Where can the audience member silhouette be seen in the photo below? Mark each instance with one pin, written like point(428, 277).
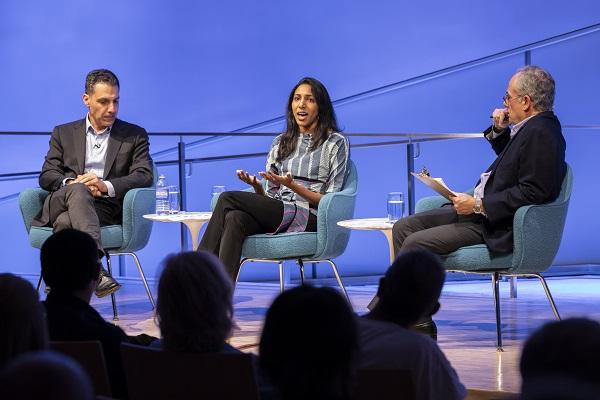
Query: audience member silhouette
point(45, 375)
point(560, 361)
point(309, 345)
point(408, 293)
point(194, 308)
point(23, 327)
point(71, 267)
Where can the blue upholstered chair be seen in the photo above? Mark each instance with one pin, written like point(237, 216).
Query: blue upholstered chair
point(328, 242)
point(117, 240)
point(537, 233)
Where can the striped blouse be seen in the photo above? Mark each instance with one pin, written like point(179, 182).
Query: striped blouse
point(322, 170)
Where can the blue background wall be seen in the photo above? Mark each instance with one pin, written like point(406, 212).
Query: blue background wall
point(222, 66)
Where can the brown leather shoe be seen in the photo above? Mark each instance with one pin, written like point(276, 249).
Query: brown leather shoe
point(106, 284)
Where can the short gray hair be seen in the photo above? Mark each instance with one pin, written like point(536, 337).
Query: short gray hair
point(538, 84)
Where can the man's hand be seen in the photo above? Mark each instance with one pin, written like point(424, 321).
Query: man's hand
point(463, 203)
point(95, 184)
point(284, 180)
point(500, 118)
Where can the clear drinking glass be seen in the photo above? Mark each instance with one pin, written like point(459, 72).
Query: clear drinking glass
point(173, 199)
point(395, 206)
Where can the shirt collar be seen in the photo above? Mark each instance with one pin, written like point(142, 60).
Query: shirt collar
point(517, 127)
point(88, 126)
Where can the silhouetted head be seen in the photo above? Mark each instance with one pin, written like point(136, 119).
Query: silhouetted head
point(45, 375)
point(411, 287)
point(194, 307)
point(22, 322)
point(69, 261)
point(309, 343)
point(566, 350)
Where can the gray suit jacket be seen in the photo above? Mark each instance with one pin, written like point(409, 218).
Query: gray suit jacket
point(128, 163)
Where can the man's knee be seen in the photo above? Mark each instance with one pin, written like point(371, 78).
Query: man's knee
point(78, 191)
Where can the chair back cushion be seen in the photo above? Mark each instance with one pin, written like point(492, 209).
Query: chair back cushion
point(159, 374)
point(538, 231)
point(90, 356)
point(332, 239)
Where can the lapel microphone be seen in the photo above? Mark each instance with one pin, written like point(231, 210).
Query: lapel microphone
point(97, 145)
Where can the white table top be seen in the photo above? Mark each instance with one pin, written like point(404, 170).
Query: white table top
point(181, 216)
point(367, 224)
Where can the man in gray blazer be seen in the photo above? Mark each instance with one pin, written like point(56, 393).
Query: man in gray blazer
point(91, 164)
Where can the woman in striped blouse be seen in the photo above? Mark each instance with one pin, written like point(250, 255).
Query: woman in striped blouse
point(307, 161)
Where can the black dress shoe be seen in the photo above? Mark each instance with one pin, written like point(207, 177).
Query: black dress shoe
point(106, 284)
point(427, 327)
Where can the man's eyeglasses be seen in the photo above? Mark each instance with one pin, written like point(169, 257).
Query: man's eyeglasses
point(507, 97)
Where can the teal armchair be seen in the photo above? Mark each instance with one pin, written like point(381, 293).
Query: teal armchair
point(125, 239)
point(537, 231)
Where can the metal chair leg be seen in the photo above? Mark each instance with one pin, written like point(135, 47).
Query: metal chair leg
point(143, 276)
point(39, 284)
point(548, 295)
point(496, 288)
point(339, 280)
point(301, 265)
point(112, 295)
point(281, 277)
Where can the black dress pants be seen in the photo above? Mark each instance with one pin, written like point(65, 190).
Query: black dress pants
point(441, 231)
point(236, 216)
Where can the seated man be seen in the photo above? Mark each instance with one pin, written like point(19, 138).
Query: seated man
point(529, 169)
point(90, 166)
point(407, 293)
point(70, 265)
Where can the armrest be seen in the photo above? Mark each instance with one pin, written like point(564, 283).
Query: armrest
point(31, 202)
point(136, 229)
point(429, 203)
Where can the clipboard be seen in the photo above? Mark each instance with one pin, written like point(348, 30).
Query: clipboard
point(436, 184)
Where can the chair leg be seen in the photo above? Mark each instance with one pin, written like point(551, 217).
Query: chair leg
point(281, 277)
point(39, 284)
point(143, 276)
point(339, 280)
point(301, 265)
point(237, 276)
point(496, 288)
point(548, 295)
point(112, 295)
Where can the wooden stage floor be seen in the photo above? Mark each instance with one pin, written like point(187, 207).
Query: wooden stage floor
point(466, 321)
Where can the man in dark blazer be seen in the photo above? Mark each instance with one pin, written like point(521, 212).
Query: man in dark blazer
point(70, 264)
point(90, 166)
point(529, 169)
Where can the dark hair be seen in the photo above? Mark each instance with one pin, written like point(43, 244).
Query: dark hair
point(411, 287)
point(69, 261)
point(194, 307)
point(45, 375)
point(567, 349)
point(309, 343)
point(326, 121)
point(21, 317)
point(100, 76)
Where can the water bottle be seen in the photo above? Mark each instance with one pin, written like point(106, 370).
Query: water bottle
point(162, 196)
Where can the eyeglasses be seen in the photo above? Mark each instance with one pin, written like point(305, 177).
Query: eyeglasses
point(507, 97)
